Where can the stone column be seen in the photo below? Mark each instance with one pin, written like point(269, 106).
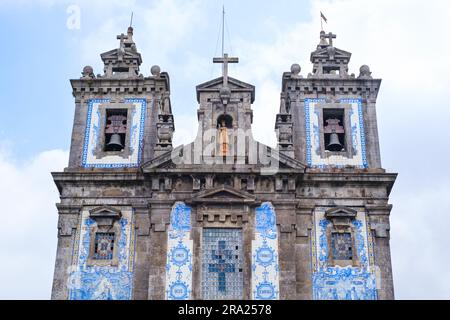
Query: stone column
point(142, 253)
point(286, 250)
point(303, 253)
point(159, 219)
point(379, 224)
point(67, 226)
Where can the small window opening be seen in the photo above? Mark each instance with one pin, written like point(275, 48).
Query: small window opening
point(333, 128)
point(161, 185)
point(115, 130)
point(243, 184)
point(285, 185)
point(331, 70)
point(202, 183)
point(117, 70)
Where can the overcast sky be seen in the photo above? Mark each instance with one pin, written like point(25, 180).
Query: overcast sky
point(403, 41)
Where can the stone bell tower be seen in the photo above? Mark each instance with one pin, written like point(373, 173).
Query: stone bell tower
point(225, 216)
point(122, 119)
point(327, 120)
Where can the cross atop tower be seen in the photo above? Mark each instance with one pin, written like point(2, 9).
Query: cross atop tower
point(225, 60)
point(330, 36)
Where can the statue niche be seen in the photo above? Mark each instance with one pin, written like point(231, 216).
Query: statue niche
point(224, 124)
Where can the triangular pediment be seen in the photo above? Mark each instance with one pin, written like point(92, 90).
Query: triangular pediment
point(105, 212)
point(223, 194)
point(114, 55)
point(233, 84)
point(340, 212)
point(337, 53)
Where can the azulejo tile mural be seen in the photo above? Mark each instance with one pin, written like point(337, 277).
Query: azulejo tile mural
point(94, 123)
point(333, 282)
point(313, 136)
point(265, 268)
point(102, 282)
point(179, 254)
point(222, 264)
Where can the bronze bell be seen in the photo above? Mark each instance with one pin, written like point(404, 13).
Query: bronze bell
point(335, 144)
point(115, 143)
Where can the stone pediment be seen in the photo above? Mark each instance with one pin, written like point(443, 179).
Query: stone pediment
point(340, 212)
point(114, 55)
point(224, 194)
point(233, 84)
point(324, 54)
point(105, 212)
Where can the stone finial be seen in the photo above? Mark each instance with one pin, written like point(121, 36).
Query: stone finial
point(364, 72)
point(155, 70)
point(88, 73)
point(295, 70)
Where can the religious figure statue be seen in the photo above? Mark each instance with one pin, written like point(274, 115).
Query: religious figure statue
point(223, 138)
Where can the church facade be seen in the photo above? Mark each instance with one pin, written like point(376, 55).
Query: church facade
point(224, 217)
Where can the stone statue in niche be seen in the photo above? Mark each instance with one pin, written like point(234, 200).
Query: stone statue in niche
point(223, 138)
point(166, 105)
point(283, 104)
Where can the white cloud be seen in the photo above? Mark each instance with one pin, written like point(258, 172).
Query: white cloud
point(29, 224)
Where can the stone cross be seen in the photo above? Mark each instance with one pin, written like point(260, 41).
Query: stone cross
point(330, 36)
point(122, 39)
point(225, 60)
point(221, 267)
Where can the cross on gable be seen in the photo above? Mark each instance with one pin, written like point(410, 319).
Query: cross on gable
point(225, 60)
point(330, 36)
point(122, 39)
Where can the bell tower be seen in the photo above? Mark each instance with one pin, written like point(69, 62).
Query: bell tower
point(328, 118)
point(122, 117)
point(225, 116)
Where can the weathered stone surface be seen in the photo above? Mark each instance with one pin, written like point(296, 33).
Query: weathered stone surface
point(225, 195)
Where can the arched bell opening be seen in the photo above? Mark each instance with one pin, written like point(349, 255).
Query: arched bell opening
point(225, 119)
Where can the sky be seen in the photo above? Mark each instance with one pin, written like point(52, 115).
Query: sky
point(403, 41)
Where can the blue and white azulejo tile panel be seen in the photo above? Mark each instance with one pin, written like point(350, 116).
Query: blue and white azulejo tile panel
point(135, 135)
point(179, 254)
point(222, 264)
point(313, 136)
point(332, 282)
point(94, 282)
point(265, 268)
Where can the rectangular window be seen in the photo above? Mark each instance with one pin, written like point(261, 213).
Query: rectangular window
point(104, 246)
point(115, 129)
point(341, 246)
point(222, 264)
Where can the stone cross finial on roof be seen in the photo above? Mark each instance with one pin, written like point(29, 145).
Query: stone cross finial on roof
point(330, 36)
point(225, 60)
point(122, 39)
